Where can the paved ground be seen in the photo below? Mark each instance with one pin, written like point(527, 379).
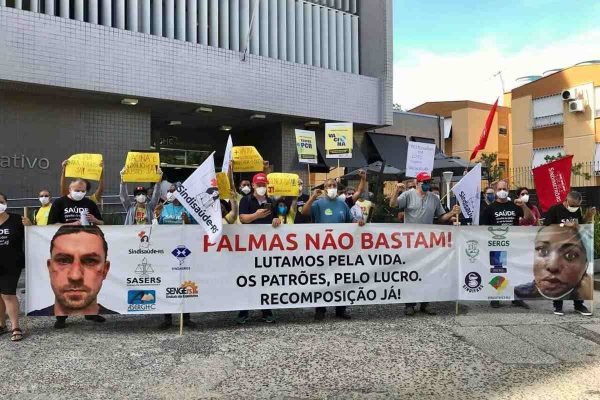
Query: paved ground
point(481, 354)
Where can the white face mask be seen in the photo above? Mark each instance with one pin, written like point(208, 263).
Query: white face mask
point(261, 190)
point(573, 209)
point(170, 197)
point(140, 198)
point(3, 208)
point(502, 194)
point(246, 189)
point(77, 196)
point(44, 200)
point(332, 193)
point(525, 198)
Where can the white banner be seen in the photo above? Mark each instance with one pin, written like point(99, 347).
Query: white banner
point(199, 194)
point(174, 268)
point(419, 158)
point(468, 194)
point(228, 155)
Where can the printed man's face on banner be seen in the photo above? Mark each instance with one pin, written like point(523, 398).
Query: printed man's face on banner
point(560, 260)
point(77, 269)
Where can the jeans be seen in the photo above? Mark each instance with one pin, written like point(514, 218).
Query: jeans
point(559, 303)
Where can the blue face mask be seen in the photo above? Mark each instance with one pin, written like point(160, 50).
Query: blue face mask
point(282, 210)
point(426, 187)
point(491, 197)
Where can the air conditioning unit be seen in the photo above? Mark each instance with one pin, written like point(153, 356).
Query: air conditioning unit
point(569, 94)
point(576, 106)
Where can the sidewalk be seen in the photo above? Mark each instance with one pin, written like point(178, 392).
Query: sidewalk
point(483, 353)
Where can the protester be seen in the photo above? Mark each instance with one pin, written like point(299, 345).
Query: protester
point(75, 209)
point(96, 197)
point(141, 211)
point(300, 202)
point(349, 195)
point(330, 210)
point(366, 206)
point(41, 215)
point(523, 195)
point(285, 209)
point(569, 213)
point(229, 209)
point(489, 197)
point(12, 262)
point(503, 212)
point(257, 208)
point(420, 206)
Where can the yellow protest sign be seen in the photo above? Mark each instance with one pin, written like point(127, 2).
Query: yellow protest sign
point(339, 140)
point(306, 145)
point(86, 166)
point(247, 159)
point(141, 167)
point(283, 184)
point(224, 186)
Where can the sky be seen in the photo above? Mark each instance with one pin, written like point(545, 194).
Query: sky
point(451, 49)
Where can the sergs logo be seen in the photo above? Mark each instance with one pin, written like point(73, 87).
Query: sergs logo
point(141, 300)
point(186, 290)
point(499, 283)
point(144, 246)
point(472, 250)
point(181, 253)
point(144, 271)
point(473, 282)
point(498, 262)
point(499, 235)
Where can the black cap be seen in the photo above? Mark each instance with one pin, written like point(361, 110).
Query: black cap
point(140, 189)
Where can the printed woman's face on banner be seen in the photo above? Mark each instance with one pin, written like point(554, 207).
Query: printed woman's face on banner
point(560, 260)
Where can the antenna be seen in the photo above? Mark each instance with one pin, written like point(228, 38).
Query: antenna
point(499, 73)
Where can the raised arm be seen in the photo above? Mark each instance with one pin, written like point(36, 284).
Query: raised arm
point(307, 209)
point(362, 185)
point(400, 187)
point(100, 191)
point(64, 188)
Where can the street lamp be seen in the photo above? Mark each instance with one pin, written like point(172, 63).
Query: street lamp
point(448, 178)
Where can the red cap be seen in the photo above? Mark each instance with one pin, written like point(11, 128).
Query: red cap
point(259, 179)
point(423, 176)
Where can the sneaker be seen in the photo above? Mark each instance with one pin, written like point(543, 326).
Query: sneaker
point(582, 309)
point(520, 303)
point(319, 316)
point(343, 316)
point(559, 312)
point(60, 324)
point(269, 319)
point(410, 311)
point(241, 320)
point(427, 310)
point(189, 324)
point(495, 304)
point(165, 325)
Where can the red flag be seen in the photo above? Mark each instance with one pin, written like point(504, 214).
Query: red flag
point(553, 182)
point(486, 131)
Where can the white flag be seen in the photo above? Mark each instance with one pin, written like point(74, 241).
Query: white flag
point(468, 194)
point(199, 195)
point(227, 157)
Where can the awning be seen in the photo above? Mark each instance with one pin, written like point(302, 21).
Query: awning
point(358, 159)
point(539, 155)
point(389, 148)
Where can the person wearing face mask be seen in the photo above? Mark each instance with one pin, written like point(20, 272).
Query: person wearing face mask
point(139, 212)
point(349, 195)
point(41, 215)
point(12, 262)
point(75, 209)
point(329, 210)
point(286, 208)
point(420, 206)
point(503, 212)
point(366, 207)
point(523, 195)
point(96, 197)
point(568, 213)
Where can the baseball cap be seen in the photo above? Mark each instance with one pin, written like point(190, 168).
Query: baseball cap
point(260, 178)
point(140, 189)
point(423, 176)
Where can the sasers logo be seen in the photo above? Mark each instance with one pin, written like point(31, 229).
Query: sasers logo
point(145, 275)
point(186, 290)
point(472, 250)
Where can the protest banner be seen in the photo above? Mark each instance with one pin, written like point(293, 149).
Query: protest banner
point(175, 268)
point(247, 159)
point(306, 144)
point(339, 140)
point(199, 194)
point(141, 167)
point(86, 166)
point(283, 185)
point(223, 185)
point(468, 194)
point(419, 158)
point(553, 182)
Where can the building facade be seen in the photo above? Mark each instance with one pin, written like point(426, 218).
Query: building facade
point(110, 76)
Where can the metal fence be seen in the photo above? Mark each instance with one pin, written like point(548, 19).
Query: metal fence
point(583, 175)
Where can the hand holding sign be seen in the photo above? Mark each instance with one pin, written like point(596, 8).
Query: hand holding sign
point(283, 185)
point(86, 166)
point(142, 167)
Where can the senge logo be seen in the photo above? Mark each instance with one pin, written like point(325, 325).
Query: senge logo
point(186, 290)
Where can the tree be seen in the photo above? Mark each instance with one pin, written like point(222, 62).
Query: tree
point(490, 161)
point(576, 169)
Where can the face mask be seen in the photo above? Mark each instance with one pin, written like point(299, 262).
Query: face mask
point(170, 197)
point(573, 209)
point(426, 187)
point(140, 198)
point(3, 208)
point(77, 196)
point(282, 210)
point(491, 197)
point(332, 193)
point(44, 200)
point(525, 198)
point(502, 194)
point(245, 189)
point(261, 191)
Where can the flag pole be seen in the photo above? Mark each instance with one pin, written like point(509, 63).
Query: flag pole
point(181, 324)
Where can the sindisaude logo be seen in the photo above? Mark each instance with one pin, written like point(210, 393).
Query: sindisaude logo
point(499, 283)
point(186, 290)
point(144, 246)
point(473, 282)
point(499, 236)
point(328, 211)
point(498, 262)
point(141, 300)
point(145, 275)
point(472, 250)
point(181, 253)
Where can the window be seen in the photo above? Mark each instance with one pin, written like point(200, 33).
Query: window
point(447, 128)
point(539, 155)
point(547, 111)
point(502, 166)
point(502, 130)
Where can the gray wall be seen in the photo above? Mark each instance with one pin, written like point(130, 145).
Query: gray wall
point(415, 125)
point(52, 127)
point(42, 49)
